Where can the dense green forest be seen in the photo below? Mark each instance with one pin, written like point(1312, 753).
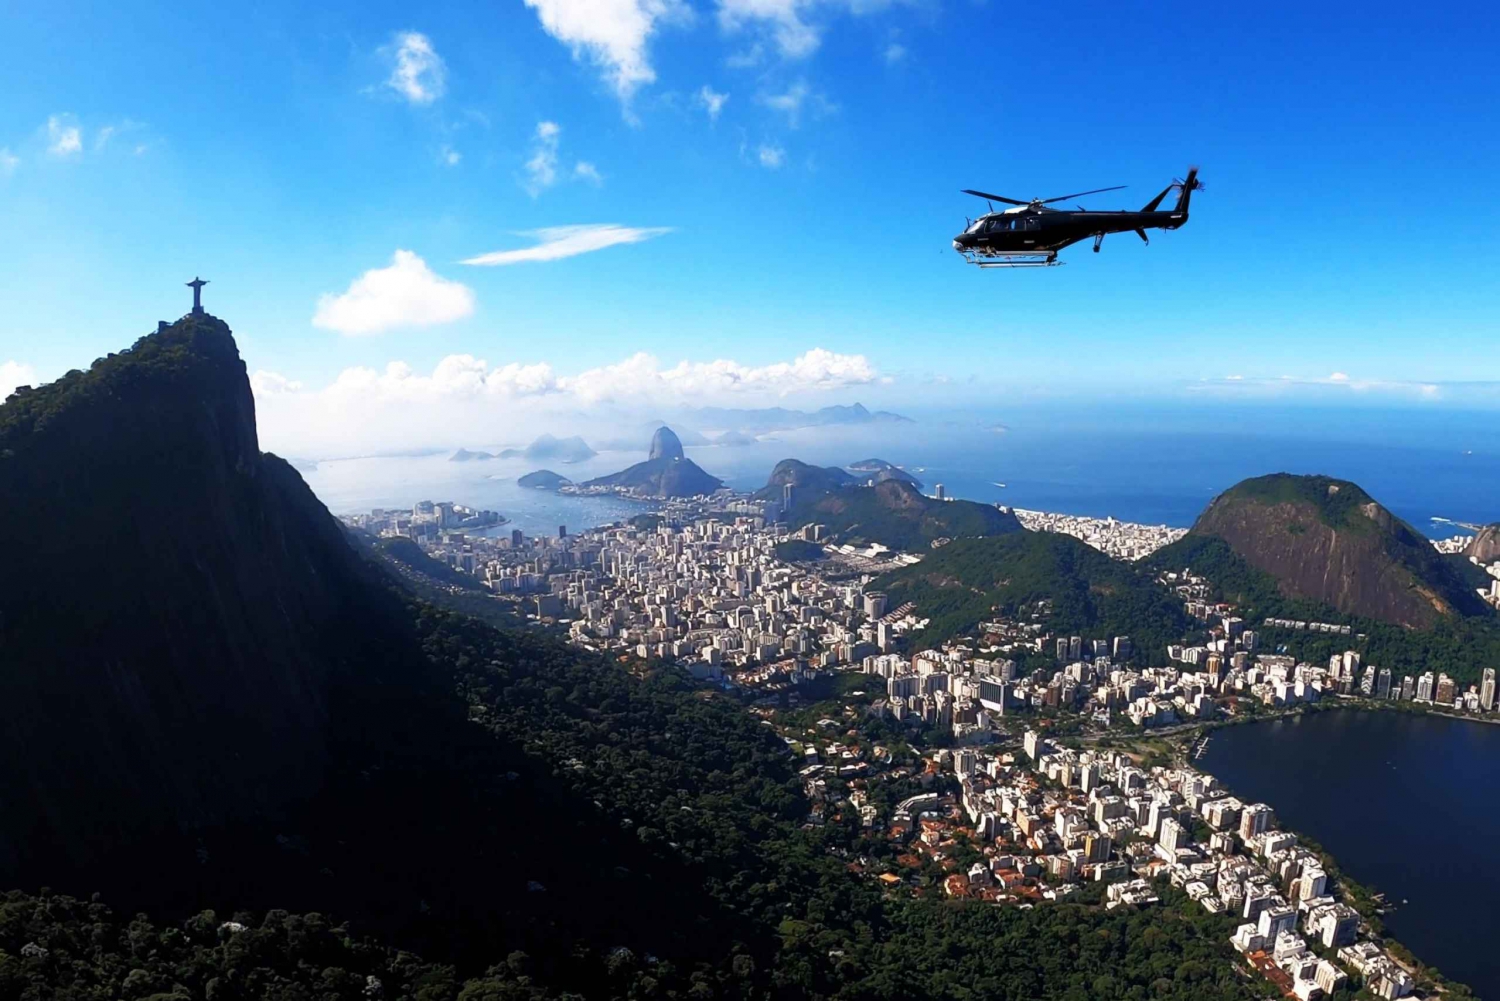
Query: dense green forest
point(1460, 646)
point(895, 514)
point(1091, 595)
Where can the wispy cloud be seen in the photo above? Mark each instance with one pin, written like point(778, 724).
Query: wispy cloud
point(1333, 383)
point(449, 157)
point(894, 53)
point(557, 242)
point(8, 162)
point(796, 100)
point(792, 34)
point(770, 157)
point(407, 293)
point(612, 34)
point(64, 137)
point(13, 374)
point(585, 171)
point(541, 169)
point(711, 101)
point(418, 73)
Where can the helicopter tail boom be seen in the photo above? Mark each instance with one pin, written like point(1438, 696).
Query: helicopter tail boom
point(1186, 188)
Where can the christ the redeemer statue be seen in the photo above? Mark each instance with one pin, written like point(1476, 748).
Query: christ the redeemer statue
point(197, 286)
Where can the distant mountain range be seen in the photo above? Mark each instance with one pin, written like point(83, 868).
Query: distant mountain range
point(781, 419)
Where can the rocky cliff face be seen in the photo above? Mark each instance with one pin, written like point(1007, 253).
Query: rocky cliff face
point(666, 445)
point(179, 616)
point(1486, 545)
point(1329, 541)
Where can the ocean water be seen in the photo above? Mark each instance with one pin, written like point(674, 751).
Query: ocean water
point(1135, 465)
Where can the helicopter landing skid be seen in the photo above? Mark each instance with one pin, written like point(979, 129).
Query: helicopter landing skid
point(1043, 260)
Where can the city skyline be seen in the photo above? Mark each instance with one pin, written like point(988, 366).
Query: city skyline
point(671, 203)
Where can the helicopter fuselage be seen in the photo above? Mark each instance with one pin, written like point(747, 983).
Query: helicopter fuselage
point(1046, 231)
point(1030, 234)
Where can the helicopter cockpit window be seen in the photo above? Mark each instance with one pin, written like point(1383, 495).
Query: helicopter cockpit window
point(977, 225)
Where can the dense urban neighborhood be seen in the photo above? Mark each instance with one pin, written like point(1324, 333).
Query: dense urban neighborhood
point(1014, 765)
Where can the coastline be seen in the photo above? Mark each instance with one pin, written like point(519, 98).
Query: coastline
point(1369, 900)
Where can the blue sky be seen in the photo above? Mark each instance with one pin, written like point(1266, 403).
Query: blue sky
point(784, 176)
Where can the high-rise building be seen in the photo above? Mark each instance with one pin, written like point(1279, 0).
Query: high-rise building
point(562, 531)
point(517, 540)
point(1254, 819)
point(1173, 835)
point(1383, 684)
point(941, 493)
point(1408, 688)
point(1487, 690)
point(1424, 686)
point(1443, 694)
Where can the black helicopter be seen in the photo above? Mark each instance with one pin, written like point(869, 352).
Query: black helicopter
point(1030, 234)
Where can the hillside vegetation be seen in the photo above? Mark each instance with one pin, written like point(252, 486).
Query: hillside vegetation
point(1326, 540)
point(896, 514)
point(1091, 595)
point(1460, 646)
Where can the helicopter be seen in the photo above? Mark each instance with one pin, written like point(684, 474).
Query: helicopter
point(1030, 234)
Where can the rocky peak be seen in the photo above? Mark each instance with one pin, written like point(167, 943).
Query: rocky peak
point(665, 444)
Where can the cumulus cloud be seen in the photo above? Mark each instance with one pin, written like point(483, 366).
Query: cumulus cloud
point(398, 406)
point(64, 137)
point(418, 73)
point(13, 374)
point(612, 34)
point(711, 101)
point(771, 157)
point(557, 242)
point(405, 294)
point(642, 376)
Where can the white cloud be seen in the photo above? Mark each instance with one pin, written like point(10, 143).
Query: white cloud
point(13, 374)
point(796, 99)
point(102, 137)
point(894, 53)
point(8, 162)
point(405, 294)
point(612, 33)
point(711, 101)
point(1334, 382)
point(419, 73)
point(585, 171)
point(449, 157)
point(793, 36)
point(558, 242)
point(64, 137)
point(791, 24)
point(263, 383)
point(642, 377)
point(367, 408)
point(771, 157)
point(541, 169)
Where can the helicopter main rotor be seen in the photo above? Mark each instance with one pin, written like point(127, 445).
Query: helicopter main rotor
point(1037, 203)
